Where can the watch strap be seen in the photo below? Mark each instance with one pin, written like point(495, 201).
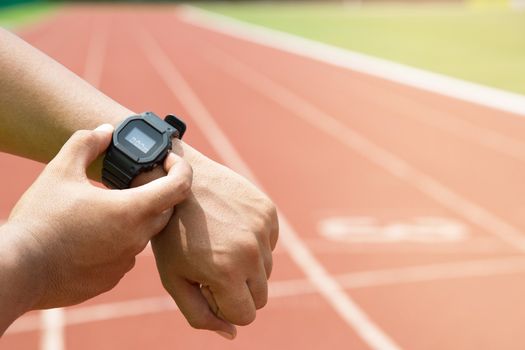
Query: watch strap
point(118, 169)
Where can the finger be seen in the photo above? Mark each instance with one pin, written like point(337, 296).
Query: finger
point(157, 223)
point(274, 233)
point(167, 191)
point(235, 303)
point(83, 147)
point(194, 306)
point(206, 292)
point(258, 287)
point(265, 251)
point(267, 262)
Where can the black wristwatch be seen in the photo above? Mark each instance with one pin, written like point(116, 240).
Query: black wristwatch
point(140, 143)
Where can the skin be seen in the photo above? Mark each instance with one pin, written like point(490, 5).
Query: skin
point(67, 241)
point(215, 255)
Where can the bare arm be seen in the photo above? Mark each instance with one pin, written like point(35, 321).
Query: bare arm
point(230, 226)
point(42, 103)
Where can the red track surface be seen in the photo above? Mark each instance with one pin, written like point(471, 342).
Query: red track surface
point(312, 176)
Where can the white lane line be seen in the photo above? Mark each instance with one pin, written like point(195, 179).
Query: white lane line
point(384, 69)
point(325, 284)
point(444, 121)
point(386, 160)
point(121, 309)
point(407, 275)
point(293, 288)
point(462, 129)
point(53, 329)
point(53, 335)
point(96, 52)
point(346, 59)
point(479, 245)
point(433, 272)
point(100, 312)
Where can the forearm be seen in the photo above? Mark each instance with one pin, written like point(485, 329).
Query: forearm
point(19, 284)
point(42, 104)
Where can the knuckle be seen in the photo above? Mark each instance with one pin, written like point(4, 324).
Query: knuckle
point(267, 215)
point(184, 181)
point(225, 274)
point(270, 212)
point(252, 251)
point(135, 245)
point(84, 137)
point(261, 302)
point(185, 186)
point(245, 318)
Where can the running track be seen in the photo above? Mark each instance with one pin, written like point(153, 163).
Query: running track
point(324, 142)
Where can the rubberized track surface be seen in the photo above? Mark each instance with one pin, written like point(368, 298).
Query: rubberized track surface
point(325, 143)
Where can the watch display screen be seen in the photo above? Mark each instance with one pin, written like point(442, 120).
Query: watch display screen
point(140, 140)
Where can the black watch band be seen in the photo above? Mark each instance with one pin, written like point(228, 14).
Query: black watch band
point(119, 169)
point(118, 176)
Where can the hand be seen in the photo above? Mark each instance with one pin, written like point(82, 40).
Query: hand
point(214, 257)
point(81, 239)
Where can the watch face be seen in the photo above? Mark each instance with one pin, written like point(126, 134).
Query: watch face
point(140, 139)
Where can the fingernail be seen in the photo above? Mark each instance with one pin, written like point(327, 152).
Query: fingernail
point(105, 127)
point(225, 335)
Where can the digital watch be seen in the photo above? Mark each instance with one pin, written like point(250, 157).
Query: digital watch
point(139, 143)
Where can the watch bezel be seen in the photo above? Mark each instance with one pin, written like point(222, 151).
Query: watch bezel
point(146, 159)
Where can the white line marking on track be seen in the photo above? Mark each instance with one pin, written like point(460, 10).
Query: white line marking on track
point(386, 160)
point(460, 128)
point(369, 229)
point(120, 309)
point(406, 275)
point(52, 337)
point(433, 272)
point(482, 95)
point(325, 284)
point(53, 320)
point(291, 288)
point(488, 245)
point(396, 72)
point(100, 312)
point(96, 52)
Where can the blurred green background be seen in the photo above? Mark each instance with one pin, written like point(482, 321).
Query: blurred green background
point(477, 40)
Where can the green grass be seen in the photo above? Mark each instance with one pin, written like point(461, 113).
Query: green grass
point(17, 16)
point(480, 44)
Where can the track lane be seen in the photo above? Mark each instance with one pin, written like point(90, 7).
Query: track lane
point(387, 304)
point(352, 97)
point(207, 77)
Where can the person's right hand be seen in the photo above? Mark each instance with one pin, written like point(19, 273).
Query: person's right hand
point(79, 240)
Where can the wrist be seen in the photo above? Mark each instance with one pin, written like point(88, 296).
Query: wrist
point(179, 147)
point(20, 275)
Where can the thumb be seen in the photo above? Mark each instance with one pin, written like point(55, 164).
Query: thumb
point(167, 191)
point(84, 146)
